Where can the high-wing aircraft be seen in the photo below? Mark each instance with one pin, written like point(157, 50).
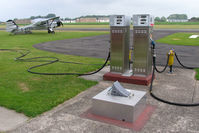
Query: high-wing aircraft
point(38, 24)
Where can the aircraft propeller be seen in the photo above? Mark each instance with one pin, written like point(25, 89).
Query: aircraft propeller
point(59, 23)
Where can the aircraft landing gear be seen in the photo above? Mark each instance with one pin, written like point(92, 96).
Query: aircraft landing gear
point(51, 31)
point(28, 32)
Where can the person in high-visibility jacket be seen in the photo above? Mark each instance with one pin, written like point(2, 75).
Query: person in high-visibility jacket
point(171, 59)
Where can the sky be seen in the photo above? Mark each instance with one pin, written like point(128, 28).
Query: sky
point(10, 9)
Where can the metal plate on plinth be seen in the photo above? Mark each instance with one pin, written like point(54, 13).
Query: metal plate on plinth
point(119, 108)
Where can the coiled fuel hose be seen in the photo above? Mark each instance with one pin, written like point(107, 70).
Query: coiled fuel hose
point(153, 75)
point(50, 60)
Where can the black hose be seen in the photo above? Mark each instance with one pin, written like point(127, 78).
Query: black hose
point(162, 100)
point(79, 74)
point(48, 62)
point(182, 64)
point(153, 49)
point(165, 67)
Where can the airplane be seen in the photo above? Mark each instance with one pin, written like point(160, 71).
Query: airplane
point(38, 24)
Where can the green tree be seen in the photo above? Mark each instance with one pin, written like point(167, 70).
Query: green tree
point(50, 15)
point(163, 19)
point(177, 16)
point(194, 19)
point(157, 19)
point(32, 17)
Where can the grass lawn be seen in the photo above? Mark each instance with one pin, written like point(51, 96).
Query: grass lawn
point(2, 26)
point(181, 39)
point(176, 23)
point(176, 26)
point(34, 94)
point(85, 26)
point(155, 27)
point(197, 74)
point(87, 23)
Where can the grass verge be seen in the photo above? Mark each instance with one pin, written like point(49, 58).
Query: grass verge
point(197, 74)
point(176, 27)
point(181, 39)
point(88, 23)
point(34, 94)
point(155, 27)
point(176, 23)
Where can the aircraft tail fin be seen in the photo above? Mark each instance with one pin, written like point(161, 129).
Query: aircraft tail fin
point(11, 26)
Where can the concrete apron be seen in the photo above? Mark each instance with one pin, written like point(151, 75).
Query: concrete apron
point(178, 87)
point(10, 119)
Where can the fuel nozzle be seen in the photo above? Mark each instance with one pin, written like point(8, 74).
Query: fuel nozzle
point(152, 46)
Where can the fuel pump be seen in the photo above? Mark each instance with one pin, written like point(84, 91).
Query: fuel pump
point(119, 36)
point(142, 57)
point(120, 69)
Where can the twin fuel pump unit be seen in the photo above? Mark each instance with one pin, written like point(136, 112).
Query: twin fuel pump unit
point(136, 62)
point(131, 63)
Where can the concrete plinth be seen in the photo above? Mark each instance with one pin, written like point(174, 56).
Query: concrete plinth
point(140, 80)
point(120, 108)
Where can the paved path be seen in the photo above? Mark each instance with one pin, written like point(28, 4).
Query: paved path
point(10, 119)
point(98, 47)
point(179, 87)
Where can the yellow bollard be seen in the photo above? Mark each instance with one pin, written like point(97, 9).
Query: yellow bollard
point(171, 59)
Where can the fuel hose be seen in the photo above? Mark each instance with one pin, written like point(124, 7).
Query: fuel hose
point(50, 60)
point(186, 67)
point(163, 100)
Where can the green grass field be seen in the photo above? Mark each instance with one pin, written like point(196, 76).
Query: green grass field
point(156, 23)
point(176, 27)
point(197, 74)
point(34, 94)
point(181, 39)
point(85, 26)
point(2, 26)
point(176, 23)
point(88, 23)
point(155, 27)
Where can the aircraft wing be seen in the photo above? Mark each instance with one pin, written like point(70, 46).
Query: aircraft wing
point(45, 21)
point(53, 18)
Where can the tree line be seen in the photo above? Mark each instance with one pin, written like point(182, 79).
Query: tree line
point(50, 15)
point(176, 17)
